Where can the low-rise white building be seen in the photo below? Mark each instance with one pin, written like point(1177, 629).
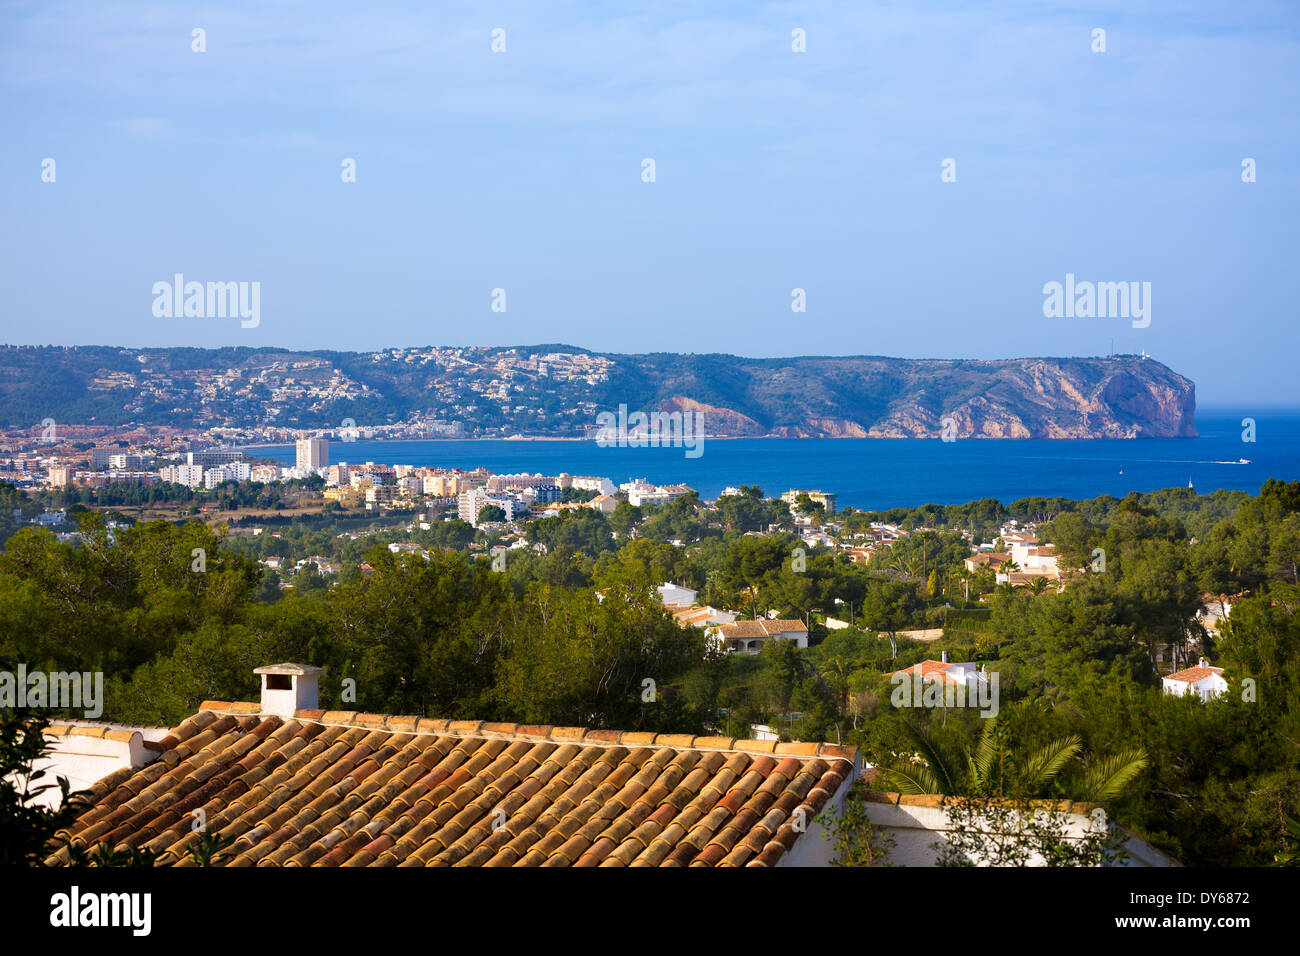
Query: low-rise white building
point(1202, 680)
point(676, 594)
point(916, 827)
point(1031, 559)
point(748, 637)
point(964, 674)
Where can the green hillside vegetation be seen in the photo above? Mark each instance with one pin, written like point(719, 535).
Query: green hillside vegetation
point(446, 636)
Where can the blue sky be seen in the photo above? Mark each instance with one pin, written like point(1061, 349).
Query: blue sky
point(774, 170)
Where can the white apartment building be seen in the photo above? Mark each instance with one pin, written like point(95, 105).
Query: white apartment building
point(313, 453)
point(236, 471)
point(126, 462)
point(213, 456)
point(470, 503)
point(381, 494)
point(641, 492)
point(520, 481)
point(189, 475)
point(586, 483)
point(443, 485)
point(824, 498)
point(371, 473)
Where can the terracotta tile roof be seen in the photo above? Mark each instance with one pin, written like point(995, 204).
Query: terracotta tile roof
point(762, 628)
point(1191, 675)
point(687, 615)
point(988, 557)
point(338, 788)
point(930, 669)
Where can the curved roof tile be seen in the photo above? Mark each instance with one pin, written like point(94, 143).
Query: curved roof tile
point(339, 788)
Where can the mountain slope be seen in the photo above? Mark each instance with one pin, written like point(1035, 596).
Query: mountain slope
point(558, 390)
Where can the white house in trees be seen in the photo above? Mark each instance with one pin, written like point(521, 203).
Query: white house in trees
point(675, 594)
point(1202, 680)
point(748, 637)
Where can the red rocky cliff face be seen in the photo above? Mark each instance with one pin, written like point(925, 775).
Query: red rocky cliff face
point(1121, 397)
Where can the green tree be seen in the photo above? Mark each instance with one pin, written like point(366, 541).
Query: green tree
point(26, 825)
point(888, 608)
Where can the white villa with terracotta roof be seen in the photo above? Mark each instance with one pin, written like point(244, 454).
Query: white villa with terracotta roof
point(749, 637)
point(962, 675)
point(993, 559)
point(1202, 680)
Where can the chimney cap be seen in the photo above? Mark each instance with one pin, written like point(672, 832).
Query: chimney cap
point(295, 670)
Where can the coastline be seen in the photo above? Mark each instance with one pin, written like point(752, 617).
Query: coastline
point(721, 438)
point(883, 473)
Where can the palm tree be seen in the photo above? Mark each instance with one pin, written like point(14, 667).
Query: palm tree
point(965, 577)
point(836, 673)
point(1037, 586)
point(991, 768)
point(907, 566)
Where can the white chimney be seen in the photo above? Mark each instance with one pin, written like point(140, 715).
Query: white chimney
point(288, 687)
point(943, 657)
point(1202, 663)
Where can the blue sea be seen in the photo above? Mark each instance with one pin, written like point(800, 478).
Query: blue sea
point(887, 473)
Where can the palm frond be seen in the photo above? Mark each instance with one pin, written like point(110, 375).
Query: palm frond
point(985, 758)
point(913, 779)
point(941, 769)
point(1109, 775)
point(1046, 762)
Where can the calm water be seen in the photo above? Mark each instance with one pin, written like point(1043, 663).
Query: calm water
point(884, 473)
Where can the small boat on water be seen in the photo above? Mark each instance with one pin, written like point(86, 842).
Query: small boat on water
point(1243, 461)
